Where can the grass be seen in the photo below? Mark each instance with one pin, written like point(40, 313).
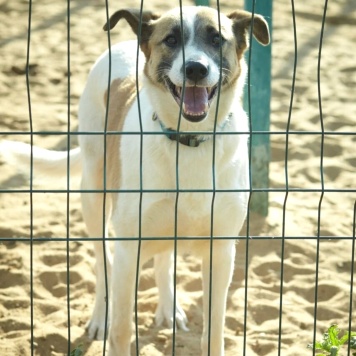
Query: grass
point(78, 351)
point(332, 344)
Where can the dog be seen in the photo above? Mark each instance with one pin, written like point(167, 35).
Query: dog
point(179, 178)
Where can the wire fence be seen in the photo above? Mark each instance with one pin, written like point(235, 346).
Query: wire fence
point(294, 272)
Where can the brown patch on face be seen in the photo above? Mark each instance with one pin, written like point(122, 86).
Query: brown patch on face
point(122, 96)
point(146, 49)
point(158, 54)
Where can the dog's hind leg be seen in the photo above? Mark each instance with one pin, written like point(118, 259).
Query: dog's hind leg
point(97, 224)
point(164, 281)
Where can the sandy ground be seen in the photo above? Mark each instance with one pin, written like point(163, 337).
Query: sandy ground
point(265, 258)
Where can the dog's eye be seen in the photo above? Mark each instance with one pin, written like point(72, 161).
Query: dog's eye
point(217, 40)
point(171, 41)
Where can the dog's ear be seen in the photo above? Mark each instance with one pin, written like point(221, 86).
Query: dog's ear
point(242, 21)
point(133, 17)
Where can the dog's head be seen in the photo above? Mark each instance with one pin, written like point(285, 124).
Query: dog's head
point(185, 58)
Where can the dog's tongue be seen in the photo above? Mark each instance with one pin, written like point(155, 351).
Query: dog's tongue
point(195, 100)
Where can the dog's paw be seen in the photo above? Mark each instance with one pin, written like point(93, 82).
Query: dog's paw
point(164, 314)
point(96, 328)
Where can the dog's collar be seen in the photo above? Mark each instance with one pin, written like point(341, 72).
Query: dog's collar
point(189, 140)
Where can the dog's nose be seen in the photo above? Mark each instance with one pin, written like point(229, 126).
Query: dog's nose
point(195, 70)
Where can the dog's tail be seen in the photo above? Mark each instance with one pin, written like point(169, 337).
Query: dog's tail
point(45, 163)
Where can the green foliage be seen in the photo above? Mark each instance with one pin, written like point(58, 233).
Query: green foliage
point(78, 351)
point(332, 343)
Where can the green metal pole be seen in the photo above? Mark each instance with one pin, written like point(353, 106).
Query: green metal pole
point(260, 97)
point(202, 2)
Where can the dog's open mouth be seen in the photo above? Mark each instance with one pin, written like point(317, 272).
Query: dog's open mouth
point(196, 100)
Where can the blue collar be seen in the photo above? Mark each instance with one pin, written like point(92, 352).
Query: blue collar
point(190, 140)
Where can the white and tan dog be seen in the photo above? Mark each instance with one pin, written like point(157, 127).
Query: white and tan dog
point(174, 178)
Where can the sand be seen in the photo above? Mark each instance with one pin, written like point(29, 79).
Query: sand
point(298, 254)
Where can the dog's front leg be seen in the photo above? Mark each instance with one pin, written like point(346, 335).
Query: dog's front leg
point(123, 290)
point(164, 281)
point(222, 269)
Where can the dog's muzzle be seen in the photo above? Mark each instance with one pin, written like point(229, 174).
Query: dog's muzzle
point(197, 98)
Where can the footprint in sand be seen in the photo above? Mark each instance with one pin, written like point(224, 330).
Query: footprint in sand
point(55, 281)
point(56, 258)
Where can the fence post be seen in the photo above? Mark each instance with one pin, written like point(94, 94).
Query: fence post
point(260, 96)
point(202, 2)
point(260, 92)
